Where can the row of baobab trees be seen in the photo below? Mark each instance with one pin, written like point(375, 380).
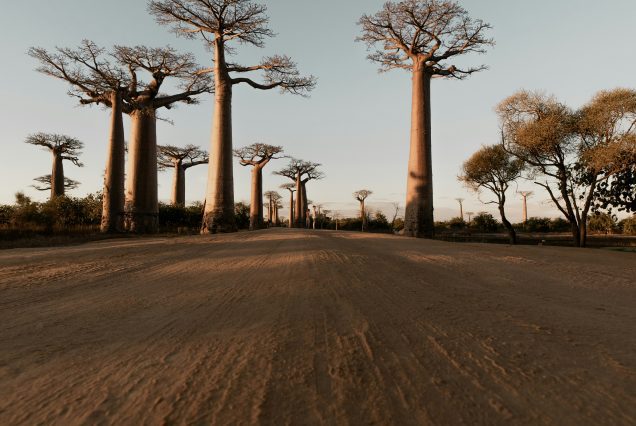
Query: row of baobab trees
point(180, 159)
point(419, 36)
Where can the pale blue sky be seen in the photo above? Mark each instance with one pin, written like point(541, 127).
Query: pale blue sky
point(356, 122)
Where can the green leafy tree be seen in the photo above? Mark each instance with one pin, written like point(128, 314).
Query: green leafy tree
point(494, 169)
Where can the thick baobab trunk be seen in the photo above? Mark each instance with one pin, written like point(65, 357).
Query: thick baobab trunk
point(178, 184)
point(219, 209)
point(299, 214)
point(291, 209)
point(114, 175)
point(306, 217)
point(269, 212)
point(57, 176)
point(363, 216)
point(256, 206)
point(418, 221)
point(275, 208)
point(142, 207)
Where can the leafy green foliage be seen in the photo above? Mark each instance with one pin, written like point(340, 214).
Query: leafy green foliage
point(485, 222)
point(242, 215)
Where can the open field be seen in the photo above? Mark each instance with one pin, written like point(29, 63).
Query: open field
point(300, 327)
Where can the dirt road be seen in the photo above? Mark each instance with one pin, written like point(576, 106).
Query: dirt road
point(295, 327)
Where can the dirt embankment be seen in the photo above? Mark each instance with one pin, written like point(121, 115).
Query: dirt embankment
point(299, 327)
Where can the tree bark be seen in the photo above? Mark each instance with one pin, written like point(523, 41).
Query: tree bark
point(142, 206)
point(219, 209)
point(57, 176)
point(306, 217)
point(291, 209)
point(299, 214)
point(178, 185)
point(418, 220)
point(363, 216)
point(256, 206)
point(512, 235)
point(114, 175)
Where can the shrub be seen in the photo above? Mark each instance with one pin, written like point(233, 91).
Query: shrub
point(379, 223)
point(602, 222)
point(485, 222)
point(398, 225)
point(456, 223)
point(560, 225)
point(628, 225)
point(242, 215)
point(538, 224)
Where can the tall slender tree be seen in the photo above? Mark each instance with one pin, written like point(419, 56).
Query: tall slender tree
point(142, 206)
point(494, 169)
point(220, 23)
point(62, 148)
point(257, 156)
point(180, 159)
point(291, 187)
point(96, 79)
point(361, 196)
point(421, 36)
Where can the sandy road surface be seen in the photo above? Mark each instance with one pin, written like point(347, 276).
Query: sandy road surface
point(294, 327)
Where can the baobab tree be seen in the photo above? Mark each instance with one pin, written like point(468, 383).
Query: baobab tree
point(361, 196)
point(470, 216)
point(301, 172)
point(142, 206)
point(273, 203)
point(257, 156)
point(461, 207)
point(525, 195)
point(291, 187)
point(180, 159)
point(277, 205)
point(220, 23)
point(62, 148)
point(421, 36)
point(493, 168)
point(311, 173)
point(94, 79)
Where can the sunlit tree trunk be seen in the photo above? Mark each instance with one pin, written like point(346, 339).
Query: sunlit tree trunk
point(178, 185)
point(256, 206)
point(114, 176)
point(219, 209)
point(57, 175)
point(363, 216)
point(305, 216)
point(291, 209)
point(142, 207)
point(418, 220)
point(299, 216)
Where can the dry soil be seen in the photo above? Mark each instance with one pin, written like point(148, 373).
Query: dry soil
point(297, 327)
